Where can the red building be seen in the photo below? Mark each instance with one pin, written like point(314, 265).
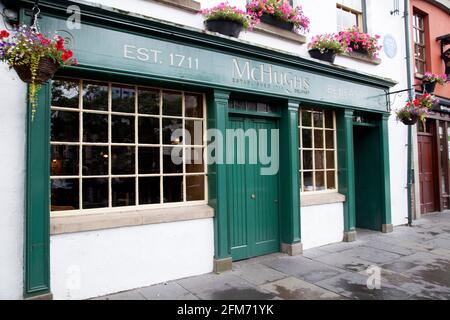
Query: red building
point(430, 28)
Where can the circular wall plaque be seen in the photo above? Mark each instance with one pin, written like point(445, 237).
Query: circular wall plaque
point(390, 46)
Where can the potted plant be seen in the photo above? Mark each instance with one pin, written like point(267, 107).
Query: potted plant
point(416, 109)
point(357, 41)
point(430, 80)
point(34, 57)
point(326, 47)
point(279, 13)
point(226, 19)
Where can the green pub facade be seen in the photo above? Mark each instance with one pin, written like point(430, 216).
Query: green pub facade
point(99, 146)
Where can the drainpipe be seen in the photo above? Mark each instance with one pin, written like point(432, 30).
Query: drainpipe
point(410, 96)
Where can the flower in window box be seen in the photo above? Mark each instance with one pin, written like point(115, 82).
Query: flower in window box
point(280, 14)
point(34, 57)
point(357, 41)
point(326, 47)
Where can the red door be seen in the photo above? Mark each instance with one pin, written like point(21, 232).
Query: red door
point(426, 173)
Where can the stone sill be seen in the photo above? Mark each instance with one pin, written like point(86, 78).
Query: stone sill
point(361, 57)
point(279, 33)
point(90, 222)
point(189, 5)
point(321, 199)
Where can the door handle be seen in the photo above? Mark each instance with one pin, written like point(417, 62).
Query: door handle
point(253, 196)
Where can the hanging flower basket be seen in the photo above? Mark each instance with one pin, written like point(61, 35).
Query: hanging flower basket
point(428, 86)
point(416, 109)
point(411, 120)
point(34, 57)
point(430, 80)
point(44, 72)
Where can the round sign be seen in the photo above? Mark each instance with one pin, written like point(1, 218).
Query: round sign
point(390, 46)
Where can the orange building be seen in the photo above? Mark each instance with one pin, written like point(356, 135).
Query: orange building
point(430, 28)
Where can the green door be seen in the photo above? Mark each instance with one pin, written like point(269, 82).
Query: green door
point(252, 197)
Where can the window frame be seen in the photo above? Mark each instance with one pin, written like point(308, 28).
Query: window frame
point(136, 175)
point(313, 148)
point(420, 31)
point(359, 17)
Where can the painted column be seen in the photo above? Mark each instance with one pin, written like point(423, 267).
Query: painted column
point(290, 181)
point(386, 226)
point(37, 220)
point(217, 181)
point(346, 171)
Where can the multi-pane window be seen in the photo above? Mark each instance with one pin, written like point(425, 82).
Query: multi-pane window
point(419, 43)
point(318, 165)
point(349, 14)
point(115, 145)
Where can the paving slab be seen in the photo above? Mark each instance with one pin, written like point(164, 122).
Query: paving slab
point(406, 263)
point(345, 261)
point(296, 289)
point(257, 273)
point(125, 295)
point(372, 254)
point(166, 291)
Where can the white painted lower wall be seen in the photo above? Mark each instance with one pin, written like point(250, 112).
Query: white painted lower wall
point(322, 224)
point(95, 263)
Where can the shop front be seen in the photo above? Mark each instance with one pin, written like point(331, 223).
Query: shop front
point(108, 198)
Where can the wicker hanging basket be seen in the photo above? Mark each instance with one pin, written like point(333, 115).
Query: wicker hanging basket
point(45, 71)
point(411, 120)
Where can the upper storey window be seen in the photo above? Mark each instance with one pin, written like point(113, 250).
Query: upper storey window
point(349, 14)
point(420, 62)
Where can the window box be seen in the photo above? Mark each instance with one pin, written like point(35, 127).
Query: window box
point(270, 19)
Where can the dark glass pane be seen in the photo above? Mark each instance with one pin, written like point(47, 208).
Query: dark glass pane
point(318, 139)
point(65, 194)
point(172, 105)
point(331, 180)
point(65, 94)
point(123, 192)
point(123, 160)
point(329, 122)
point(123, 99)
point(308, 181)
point(307, 138)
point(149, 190)
point(95, 193)
point(320, 180)
point(318, 119)
point(307, 160)
point(194, 132)
point(122, 129)
point(172, 160)
point(319, 159)
point(329, 137)
point(172, 189)
point(195, 188)
point(169, 127)
point(65, 126)
point(95, 96)
point(148, 101)
point(330, 160)
point(193, 105)
point(148, 130)
point(251, 106)
point(95, 127)
point(262, 107)
point(306, 118)
point(194, 160)
point(64, 160)
point(95, 161)
point(148, 160)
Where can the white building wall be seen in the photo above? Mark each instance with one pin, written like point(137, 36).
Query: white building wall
point(12, 177)
point(95, 263)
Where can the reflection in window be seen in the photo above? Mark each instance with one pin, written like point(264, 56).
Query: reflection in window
point(349, 14)
point(116, 147)
point(317, 150)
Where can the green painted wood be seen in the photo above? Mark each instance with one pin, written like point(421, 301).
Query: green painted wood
point(127, 52)
point(254, 225)
point(346, 171)
point(368, 178)
point(289, 174)
point(217, 112)
point(386, 177)
point(37, 219)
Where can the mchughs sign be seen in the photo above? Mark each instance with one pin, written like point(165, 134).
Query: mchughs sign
point(157, 59)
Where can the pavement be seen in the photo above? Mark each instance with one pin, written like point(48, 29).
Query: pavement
point(410, 263)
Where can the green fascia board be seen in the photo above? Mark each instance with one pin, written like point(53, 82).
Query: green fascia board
point(124, 20)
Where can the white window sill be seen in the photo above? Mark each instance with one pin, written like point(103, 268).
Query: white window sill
point(280, 33)
point(308, 200)
point(189, 5)
point(361, 57)
point(90, 222)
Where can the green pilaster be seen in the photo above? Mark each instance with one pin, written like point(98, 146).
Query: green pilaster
point(37, 220)
point(290, 181)
point(217, 119)
point(346, 170)
point(386, 182)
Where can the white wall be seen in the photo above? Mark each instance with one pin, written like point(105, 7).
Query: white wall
point(12, 177)
point(321, 225)
point(90, 264)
